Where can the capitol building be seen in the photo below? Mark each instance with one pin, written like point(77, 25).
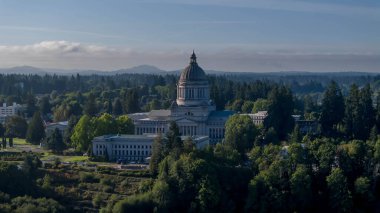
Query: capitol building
point(193, 111)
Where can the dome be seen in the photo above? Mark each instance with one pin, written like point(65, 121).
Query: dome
point(193, 72)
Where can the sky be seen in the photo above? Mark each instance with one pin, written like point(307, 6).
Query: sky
point(227, 35)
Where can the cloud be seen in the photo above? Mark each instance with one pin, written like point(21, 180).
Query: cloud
point(53, 48)
point(52, 30)
point(74, 55)
point(288, 5)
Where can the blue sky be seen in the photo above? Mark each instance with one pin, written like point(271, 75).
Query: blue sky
point(239, 35)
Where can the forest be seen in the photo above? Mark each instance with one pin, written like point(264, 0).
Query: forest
point(267, 168)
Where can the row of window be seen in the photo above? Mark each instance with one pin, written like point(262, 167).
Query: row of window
point(142, 130)
point(131, 146)
point(131, 152)
point(216, 133)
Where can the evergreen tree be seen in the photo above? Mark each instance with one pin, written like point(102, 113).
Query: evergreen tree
point(55, 141)
point(374, 134)
point(117, 107)
point(10, 141)
point(132, 102)
point(157, 154)
point(69, 130)
point(36, 129)
point(377, 112)
point(296, 136)
point(280, 111)
point(91, 106)
point(44, 105)
point(359, 114)
point(332, 109)
point(30, 105)
point(174, 144)
point(109, 107)
point(2, 130)
point(16, 126)
point(367, 113)
point(4, 143)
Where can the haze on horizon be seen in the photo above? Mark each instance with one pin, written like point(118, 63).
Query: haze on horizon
point(241, 35)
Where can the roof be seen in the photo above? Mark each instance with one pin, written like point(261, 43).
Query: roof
point(145, 137)
point(61, 123)
point(159, 113)
point(224, 113)
point(193, 72)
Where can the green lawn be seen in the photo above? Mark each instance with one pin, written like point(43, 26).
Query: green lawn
point(73, 158)
point(19, 141)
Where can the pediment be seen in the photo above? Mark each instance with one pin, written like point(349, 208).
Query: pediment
point(184, 121)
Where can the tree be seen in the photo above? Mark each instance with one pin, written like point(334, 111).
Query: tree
point(125, 125)
point(363, 195)
point(188, 145)
point(69, 130)
point(300, 186)
point(30, 105)
point(280, 111)
point(339, 195)
point(16, 126)
point(104, 125)
point(2, 130)
point(260, 105)
point(62, 112)
point(247, 106)
point(332, 109)
point(174, 144)
point(36, 129)
point(359, 115)
point(109, 106)
point(132, 101)
point(82, 134)
point(296, 136)
point(4, 143)
point(44, 105)
point(240, 133)
point(157, 154)
point(55, 141)
point(367, 113)
point(117, 107)
point(91, 107)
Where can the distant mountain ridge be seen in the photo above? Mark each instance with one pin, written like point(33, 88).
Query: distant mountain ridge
point(149, 69)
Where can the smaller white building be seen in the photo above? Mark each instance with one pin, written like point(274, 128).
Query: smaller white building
point(258, 118)
point(132, 147)
point(7, 111)
point(61, 126)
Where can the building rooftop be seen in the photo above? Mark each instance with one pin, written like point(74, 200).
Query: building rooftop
point(224, 113)
point(144, 136)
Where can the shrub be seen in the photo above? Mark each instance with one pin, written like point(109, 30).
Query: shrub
point(107, 189)
point(4, 198)
point(97, 200)
point(86, 177)
point(107, 182)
